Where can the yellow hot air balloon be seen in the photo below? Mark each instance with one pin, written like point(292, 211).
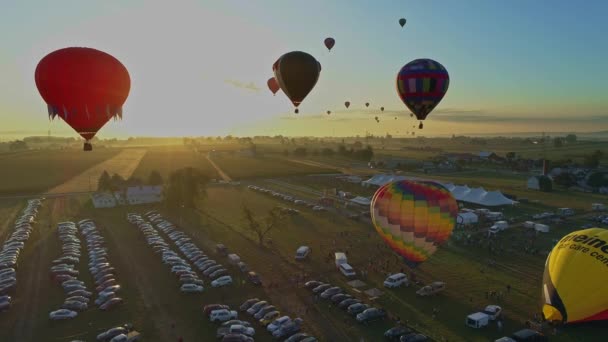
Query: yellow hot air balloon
point(575, 278)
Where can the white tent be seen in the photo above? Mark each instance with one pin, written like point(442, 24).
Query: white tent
point(361, 200)
point(460, 192)
point(467, 217)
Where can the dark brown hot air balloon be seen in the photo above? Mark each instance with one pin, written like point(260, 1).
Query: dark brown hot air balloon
point(297, 73)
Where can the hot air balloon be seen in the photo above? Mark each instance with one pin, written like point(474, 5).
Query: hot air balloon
point(382, 109)
point(414, 217)
point(273, 85)
point(575, 277)
point(421, 84)
point(329, 43)
point(328, 112)
point(297, 73)
point(84, 87)
point(395, 118)
point(366, 104)
point(402, 22)
point(347, 104)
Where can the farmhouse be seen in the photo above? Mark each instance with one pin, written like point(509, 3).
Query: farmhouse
point(103, 200)
point(131, 195)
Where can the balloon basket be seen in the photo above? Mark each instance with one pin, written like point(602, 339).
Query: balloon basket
point(87, 147)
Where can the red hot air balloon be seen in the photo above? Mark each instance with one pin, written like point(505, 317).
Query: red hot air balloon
point(329, 43)
point(297, 73)
point(84, 87)
point(273, 85)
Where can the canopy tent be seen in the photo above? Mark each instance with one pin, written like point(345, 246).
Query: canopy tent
point(461, 193)
point(466, 217)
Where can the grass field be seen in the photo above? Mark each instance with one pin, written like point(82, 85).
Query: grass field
point(37, 171)
point(166, 159)
point(239, 167)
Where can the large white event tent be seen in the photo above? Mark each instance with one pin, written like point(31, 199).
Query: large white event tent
point(460, 192)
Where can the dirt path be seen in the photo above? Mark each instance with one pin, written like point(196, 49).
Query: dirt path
point(124, 164)
point(222, 174)
point(33, 275)
point(145, 285)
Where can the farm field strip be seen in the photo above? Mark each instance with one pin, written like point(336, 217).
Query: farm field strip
point(123, 164)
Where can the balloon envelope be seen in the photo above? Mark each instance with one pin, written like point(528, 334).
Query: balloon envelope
point(273, 85)
point(414, 217)
point(83, 86)
point(421, 84)
point(402, 22)
point(297, 73)
point(347, 104)
point(575, 278)
point(366, 104)
point(329, 43)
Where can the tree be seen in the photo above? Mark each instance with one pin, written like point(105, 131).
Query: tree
point(261, 227)
point(545, 184)
point(327, 152)
point(315, 152)
point(185, 187)
point(358, 144)
point(565, 179)
point(117, 182)
point(285, 153)
point(300, 152)
point(598, 179)
point(558, 142)
point(155, 178)
point(18, 145)
point(510, 156)
point(571, 138)
point(105, 182)
point(593, 160)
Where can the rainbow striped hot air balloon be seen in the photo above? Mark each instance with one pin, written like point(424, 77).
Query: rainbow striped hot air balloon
point(414, 217)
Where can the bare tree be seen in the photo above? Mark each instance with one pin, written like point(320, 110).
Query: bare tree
point(261, 227)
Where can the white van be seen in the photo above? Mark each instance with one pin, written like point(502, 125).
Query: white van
point(347, 270)
point(302, 252)
point(477, 320)
point(222, 315)
point(396, 280)
point(340, 259)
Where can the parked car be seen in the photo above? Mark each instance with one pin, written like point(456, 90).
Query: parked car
point(344, 304)
point(222, 315)
point(286, 330)
point(210, 307)
point(395, 333)
point(222, 281)
point(431, 289)
point(321, 288)
point(62, 314)
point(277, 323)
point(396, 280)
point(312, 284)
point(413, 337)
point(248, 303)
point(256, 307)
point(357, 308)
point(237, 338)
point(269, 317)
point(330, 292)
point(235, 329)
point(191, 288)
point(110, 303)
point(110, 333)
point(263, 311)
point(370, 315)
point(337, 298)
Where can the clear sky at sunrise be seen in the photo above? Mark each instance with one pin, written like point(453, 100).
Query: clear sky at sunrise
point(200, 67)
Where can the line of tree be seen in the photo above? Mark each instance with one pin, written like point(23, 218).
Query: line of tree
point(357, 152)
point(116, 182)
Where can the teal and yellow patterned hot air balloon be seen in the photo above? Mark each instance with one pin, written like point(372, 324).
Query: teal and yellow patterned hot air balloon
point(414, 217)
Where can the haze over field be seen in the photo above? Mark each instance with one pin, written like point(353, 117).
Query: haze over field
point(200, 67)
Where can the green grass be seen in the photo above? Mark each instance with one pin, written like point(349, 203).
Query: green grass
point(166, 159)
point(37, 171)
point(238, 167)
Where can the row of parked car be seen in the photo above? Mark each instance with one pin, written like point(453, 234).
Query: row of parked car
point(288, 198)
point(268, 316)
point(10, 252)
point(64, 272)
point(124, 333)
point(104, 275)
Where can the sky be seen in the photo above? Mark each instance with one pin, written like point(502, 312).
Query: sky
point(200, 67)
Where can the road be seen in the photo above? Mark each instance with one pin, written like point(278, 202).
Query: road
point(220, 172)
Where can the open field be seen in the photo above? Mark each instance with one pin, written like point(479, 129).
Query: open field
point(37, 171)
point(166, 159)
point(249, 167)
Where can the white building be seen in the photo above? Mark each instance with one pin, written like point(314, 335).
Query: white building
point(144, 194)
point(103, 200)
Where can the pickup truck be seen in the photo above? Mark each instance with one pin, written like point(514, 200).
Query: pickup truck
point(431, 289)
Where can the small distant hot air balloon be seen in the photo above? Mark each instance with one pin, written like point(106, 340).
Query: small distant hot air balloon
point(84, 87)
point(421, 84)
point(411, 115)
point(395, 118)
point(328, 112)
point(347, 104)
point(402, 22)
point(296, 73)
point(575, 277)
point(366, 104)
point(382, 109)
point(414, 217)
point(329, 43)
point(273, 85)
